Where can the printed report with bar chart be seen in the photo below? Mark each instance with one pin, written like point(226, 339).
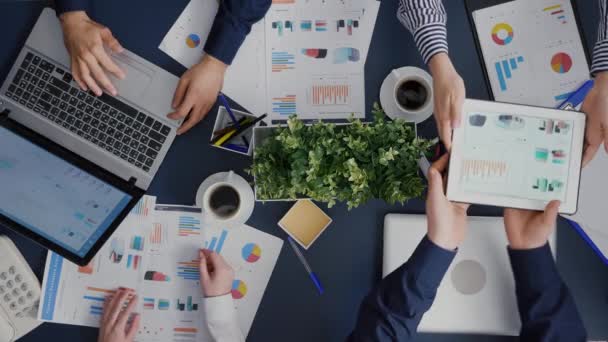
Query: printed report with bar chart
point(532, 51)
point(155, 252)
point(317, 53)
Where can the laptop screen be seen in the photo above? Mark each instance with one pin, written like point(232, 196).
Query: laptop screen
point(52, 197)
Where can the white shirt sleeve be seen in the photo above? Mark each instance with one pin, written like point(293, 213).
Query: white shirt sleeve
point(426, 20)
point(221, 319)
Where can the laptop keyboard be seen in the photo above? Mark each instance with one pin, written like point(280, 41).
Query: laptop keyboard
point(104, 121)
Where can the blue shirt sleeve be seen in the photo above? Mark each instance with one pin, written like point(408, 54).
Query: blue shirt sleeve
point(63, 6)
point(232, 24)
point(546, 308)
point(393, 310)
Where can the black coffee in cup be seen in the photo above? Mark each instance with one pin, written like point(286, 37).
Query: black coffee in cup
point(411, 95)
point(224, 201)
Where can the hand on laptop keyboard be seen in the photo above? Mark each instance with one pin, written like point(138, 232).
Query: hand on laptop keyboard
point(85, 41)
point(108, 122)
point(197, 92)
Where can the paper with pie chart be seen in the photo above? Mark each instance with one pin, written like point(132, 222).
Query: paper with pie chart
point(532, 51)
point(187, 36)
point(155, 252)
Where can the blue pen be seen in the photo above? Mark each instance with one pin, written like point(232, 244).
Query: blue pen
point(229, 110)
point(312, 274)
point(577, 96)
point(235, 147)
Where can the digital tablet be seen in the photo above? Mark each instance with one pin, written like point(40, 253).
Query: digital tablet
point(516, 156)
point(55, 197)
point(533, 52)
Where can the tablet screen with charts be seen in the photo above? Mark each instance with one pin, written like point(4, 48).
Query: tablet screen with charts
point(516, 156)
point(532, 50)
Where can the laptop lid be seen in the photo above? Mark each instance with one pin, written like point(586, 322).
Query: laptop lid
point(477, 293)
point(53, 196)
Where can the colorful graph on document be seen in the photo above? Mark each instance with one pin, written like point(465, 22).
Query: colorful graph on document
point(217, 242)
point(558, 12)
point(158, 304)
point(184, 334)
point(158, 235)
point(188, 225)
point(193, 40)
point(505, 69)
point(306, 25)
point(96, 297)
point(133, 262)
point(330, 94)
point(561, 63)
point(483, 169)
point(251, 252)
point(284, 105)
point(188, 270)
point(239, 289)
point(320, 25)
point(502, 34)
point(563, 97)
point(186, 305)
point(148, 303)
point(142, 208)
point(282, 61)
point(137, 243)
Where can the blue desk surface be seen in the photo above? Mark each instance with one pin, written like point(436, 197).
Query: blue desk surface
point(348, 256)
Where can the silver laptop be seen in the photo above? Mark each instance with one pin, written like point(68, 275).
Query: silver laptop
point(477, 293)
point(127, 135)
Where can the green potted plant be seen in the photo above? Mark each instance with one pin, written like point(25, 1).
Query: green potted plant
point(329, 162)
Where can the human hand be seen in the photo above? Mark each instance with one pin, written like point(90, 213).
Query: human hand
point(449, 95)
point(447, 221)
point(528, 229)
point(115, 326)
point(197, 91)
point(85, 40)
point(596, 108)
point(216, 274)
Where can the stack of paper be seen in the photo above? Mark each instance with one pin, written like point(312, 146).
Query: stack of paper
point(155, 251)
point(305, 57)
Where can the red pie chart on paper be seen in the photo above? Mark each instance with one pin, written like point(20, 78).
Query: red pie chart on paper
point(561, 63)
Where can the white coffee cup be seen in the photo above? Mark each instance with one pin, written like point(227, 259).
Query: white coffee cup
point(392, 83)
point(238, 196)
point(222, 211)
point(425, 86)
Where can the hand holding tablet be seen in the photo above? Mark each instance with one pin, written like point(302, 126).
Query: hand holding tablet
point(516, 156)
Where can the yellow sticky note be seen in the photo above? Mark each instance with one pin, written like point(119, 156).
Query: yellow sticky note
point(305, 221)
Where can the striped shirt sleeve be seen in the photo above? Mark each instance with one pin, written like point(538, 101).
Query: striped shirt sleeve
point(600, 51)
point(426, 20)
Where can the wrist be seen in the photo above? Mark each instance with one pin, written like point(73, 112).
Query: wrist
point(442, 242)
point(526, 245)
point(73, 16)
point(214, 63)
point(601, 81)
point(440, 63)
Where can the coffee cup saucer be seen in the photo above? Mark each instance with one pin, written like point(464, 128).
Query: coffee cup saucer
point(246, 196)
point(387, 95)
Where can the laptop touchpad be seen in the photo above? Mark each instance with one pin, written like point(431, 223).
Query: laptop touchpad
point(138, 77)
